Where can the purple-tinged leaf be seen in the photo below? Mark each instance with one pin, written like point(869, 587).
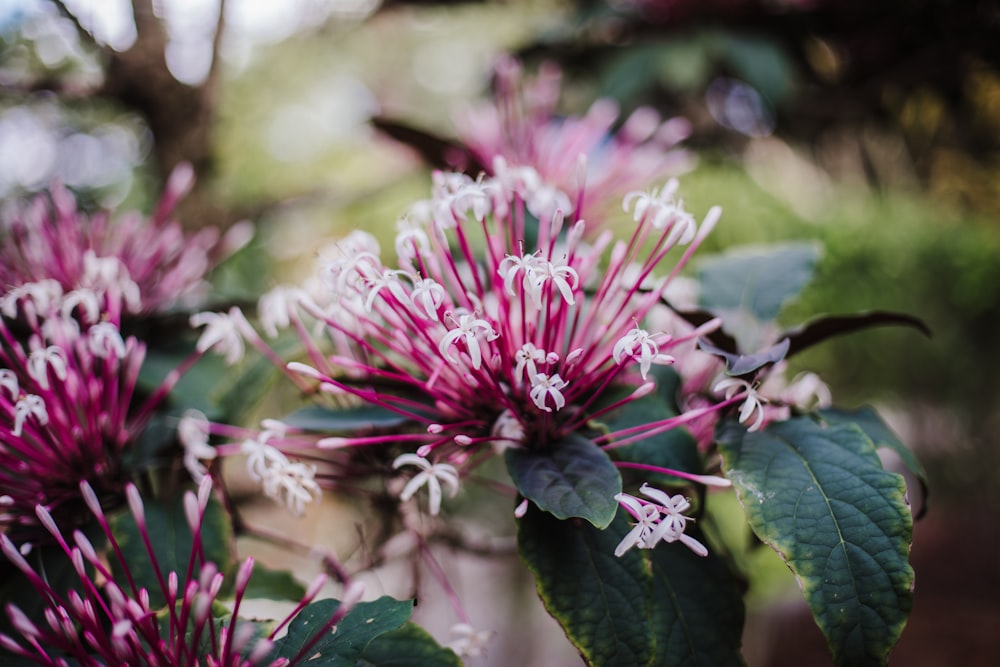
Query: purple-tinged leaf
point(744, 364)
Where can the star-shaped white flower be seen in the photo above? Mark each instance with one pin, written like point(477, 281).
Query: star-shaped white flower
point(647, 518)
point(431, 474)
point(753, 403)
point(222, 332)
point(648, 350)
point(41, 360)
point(466, 331)
point(545, 386)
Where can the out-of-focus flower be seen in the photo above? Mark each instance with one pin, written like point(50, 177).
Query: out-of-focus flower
point(68, 405)
point(106, 621)
point(753, 402)
point(568, 154)
point(141, 264)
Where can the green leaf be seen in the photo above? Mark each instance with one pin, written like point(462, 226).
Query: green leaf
point(345, 645)
point(172, 542)
point(350, 420)
point(269, 584)
point(697, 608)
point(867, 420)
point(820, 497)
point(408, 646)
point(747, 286)
point(573, 478)
point(665, 606)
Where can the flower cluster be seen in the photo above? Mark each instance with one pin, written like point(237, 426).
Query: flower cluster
point(147, 264)
point(109, 619)
point(476, 341)
point(67, 382)
point(522, 127)
point(662, 520)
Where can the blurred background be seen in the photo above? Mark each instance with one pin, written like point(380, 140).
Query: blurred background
point(873, 128)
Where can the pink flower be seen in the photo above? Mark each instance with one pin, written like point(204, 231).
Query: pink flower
point(522, 129)
point(515, 346)
point(68, 405)
point(107, 619)
point(143, 264)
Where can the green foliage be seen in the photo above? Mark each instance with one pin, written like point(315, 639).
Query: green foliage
point(269, 584)
point(748, 286)
point(407, 646)
point(663, 607)
point(345, 646)
point(820, 497)
point(572, 478)
point(171, 540)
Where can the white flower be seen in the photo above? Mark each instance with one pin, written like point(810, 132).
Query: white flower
point(388, 279)
point(431, 474)
point(649, 351)
point(647, 517)
point(526, 358)
point(222, 332)
point(262, 458)
point(511, 265)
point(561, 276)
point(544, 386)
point(27, 406)
point(39, 362)
point(509, 429)
point(807, 390)
point(466, 331)
point(8, 381)
point(86, 300)
point(427, 296)
point(411, 240)
point(193, 432)
point(469, 642)
point(663, 211)
point(275, 307)
point(105, 340)
point(660, 521)
point(294, 484)
point(754, 402)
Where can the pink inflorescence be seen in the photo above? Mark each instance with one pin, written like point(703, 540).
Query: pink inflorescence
point(481, 342)
point(148, 263)
point(523, 127)
point(109, 619)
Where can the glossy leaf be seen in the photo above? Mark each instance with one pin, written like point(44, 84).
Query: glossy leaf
point(172, 540)
point(820, 497)
point(868, 421)
point(665, 607)
point(408, 646)
point(344, 647)
point(572, 478)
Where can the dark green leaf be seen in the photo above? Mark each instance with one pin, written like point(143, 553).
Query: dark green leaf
point(172, 541)
point(573, 478)
point(868, 421)
point(828, 326)
point(408, 646)
point(666, 606)
point(350, 420)
point(602, 602)
point(744, 364)
point(697, 608)
point(344, 646)
point(436, 151)
point(269, 584)
point(820, 497)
